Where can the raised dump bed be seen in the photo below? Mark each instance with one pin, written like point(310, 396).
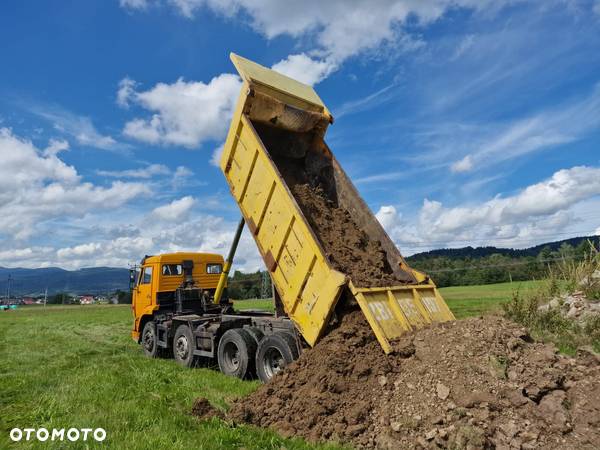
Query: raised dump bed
point(316, 235)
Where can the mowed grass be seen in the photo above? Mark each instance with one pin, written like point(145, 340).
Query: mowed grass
point(76, 366)
point(466, 301)
point(64, 367)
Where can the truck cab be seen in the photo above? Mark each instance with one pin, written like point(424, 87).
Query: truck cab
point(155, 285)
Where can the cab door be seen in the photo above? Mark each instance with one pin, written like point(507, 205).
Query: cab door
point(143, 292)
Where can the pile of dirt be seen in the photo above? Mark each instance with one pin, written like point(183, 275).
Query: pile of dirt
point(203, 410)
point(575, 306)
point(475, 383)
point(347, 246)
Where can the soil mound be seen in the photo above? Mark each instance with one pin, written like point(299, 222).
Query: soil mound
point(203, 410)
point(475, 383)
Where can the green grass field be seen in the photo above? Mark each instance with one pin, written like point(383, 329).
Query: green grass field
point(76, 366)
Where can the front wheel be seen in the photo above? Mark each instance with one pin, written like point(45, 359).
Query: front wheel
point(183, 346)
point(148, 340)
point(274, 353)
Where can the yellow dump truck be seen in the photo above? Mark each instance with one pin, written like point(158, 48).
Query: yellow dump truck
point(323, 247)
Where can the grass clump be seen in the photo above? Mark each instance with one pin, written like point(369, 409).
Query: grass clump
point(550, 324)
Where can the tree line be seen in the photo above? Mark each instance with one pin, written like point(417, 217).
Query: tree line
point(494, 267)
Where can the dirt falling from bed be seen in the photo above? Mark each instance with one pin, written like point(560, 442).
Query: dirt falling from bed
point(348, 247)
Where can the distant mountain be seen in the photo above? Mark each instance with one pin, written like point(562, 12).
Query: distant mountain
point(94, 280)
point(482, 252)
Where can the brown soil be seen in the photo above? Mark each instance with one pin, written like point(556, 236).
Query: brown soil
point(475, 383)
point(347, 247)
point(203, 410)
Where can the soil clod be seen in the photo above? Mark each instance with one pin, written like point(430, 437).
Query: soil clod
point(203, 410)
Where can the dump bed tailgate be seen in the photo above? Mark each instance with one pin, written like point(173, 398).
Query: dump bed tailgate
point(392, 311)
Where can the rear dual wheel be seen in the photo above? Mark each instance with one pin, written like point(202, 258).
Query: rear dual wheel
point(274, 353)
point(235, 355)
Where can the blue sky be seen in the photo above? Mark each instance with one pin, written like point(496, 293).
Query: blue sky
point(463, 122)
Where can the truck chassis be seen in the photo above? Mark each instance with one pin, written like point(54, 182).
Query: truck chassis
point(244, 344)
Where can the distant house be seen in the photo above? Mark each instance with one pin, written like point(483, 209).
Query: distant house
point(28, 301)
point(86, 299)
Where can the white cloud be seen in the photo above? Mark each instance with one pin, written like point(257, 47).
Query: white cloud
point(126, 92)
point(596, 7)
point(114, 253)
point(388, 216)
point(55, 146)
point(563, 189)
point(80, 128)
point(215, 159)
point(202, 233)
point(492, 143)
point(78, 251)
point(336, 29)
point(185, 113)
point(184, 177)
point(465, 44)
point(176, 210)
point(464, 165)
point(365, 103)
point(36, 187)
point(149, 171)
point(134, 4)
point(545, 211)
point(182, 172)
point(305, 69)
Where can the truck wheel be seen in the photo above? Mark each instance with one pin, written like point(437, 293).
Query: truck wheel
point(274, 353)
point(237, 349)
point(183, 346)
point(148, 340)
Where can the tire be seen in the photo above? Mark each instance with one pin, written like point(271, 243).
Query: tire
point(148, 340)
point(236, 353)
point(183, 346)
point(274, 353)
point(256, 333)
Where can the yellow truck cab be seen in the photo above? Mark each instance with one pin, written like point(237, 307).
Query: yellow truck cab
point(159, 277)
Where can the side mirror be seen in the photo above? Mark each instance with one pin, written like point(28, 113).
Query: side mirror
point(131, 279)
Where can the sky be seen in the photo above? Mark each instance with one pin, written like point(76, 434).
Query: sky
point(461, 122)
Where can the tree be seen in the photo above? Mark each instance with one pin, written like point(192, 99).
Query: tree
point(61, 298)
point(566, 251)
point(123, 297)
point(546, 253)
